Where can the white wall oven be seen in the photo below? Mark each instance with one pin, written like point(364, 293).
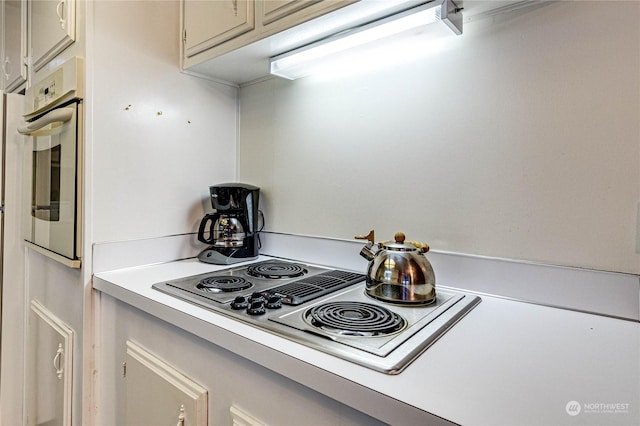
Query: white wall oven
point(53, 164)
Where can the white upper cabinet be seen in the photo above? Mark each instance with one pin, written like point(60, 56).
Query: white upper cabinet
point(272, 10)
point(232, 40)
point(52, 27)
point(14, 52)
point(209, 23)
point(213, 28)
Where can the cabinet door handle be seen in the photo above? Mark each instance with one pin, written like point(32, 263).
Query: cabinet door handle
point(57, 361)
point(181, 416)
point(235, 7)
point(6, 68)
point(60, 13)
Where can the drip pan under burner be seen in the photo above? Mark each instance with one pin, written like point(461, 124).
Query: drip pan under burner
point(219, 284)
point(276, 270)
point(354, 319)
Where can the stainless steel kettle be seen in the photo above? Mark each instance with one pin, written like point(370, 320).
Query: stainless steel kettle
point(398, 271)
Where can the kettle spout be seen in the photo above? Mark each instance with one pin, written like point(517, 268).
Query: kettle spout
point(367, 253)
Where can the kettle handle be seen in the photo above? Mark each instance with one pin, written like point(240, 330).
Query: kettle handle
point(370, 237)
point(423, 247)
point(203, 225)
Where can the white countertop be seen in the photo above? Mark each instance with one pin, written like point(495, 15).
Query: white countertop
point(506, 362)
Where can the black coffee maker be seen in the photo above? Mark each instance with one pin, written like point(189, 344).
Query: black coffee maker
point(232, 231)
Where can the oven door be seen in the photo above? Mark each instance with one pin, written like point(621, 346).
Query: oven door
point(51, 184)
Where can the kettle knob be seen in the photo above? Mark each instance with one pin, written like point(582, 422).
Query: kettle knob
point(399, 237)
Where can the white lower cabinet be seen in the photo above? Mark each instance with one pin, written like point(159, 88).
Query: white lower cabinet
point(49, 368)
point(158, 394)
point(170, 372)
point(241, 418)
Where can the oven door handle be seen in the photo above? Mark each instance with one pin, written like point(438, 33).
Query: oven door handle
point(47, 124)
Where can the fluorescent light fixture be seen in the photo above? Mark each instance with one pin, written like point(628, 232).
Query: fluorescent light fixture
point(300, 62)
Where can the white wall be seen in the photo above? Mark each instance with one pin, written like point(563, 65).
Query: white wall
point(518, 139)
point(155, 140)
point(159, 138)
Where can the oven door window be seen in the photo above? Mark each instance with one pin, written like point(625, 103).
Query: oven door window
point(45, 201)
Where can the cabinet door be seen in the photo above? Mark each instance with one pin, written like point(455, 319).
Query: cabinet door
point(14, 26)
point(272, 10)
point(209, 23)
point(158, 394)
point(49, 368)
point(52, 27)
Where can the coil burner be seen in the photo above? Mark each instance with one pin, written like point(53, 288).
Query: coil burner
point(276, 270)
point(354, 319)
point(223, 284)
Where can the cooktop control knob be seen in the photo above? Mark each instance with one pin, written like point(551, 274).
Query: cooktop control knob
point(239, 303)
point(256, 297)
point(274, 302)
point(256, 308)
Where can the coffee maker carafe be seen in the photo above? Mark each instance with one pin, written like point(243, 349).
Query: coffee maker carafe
point(232, 231)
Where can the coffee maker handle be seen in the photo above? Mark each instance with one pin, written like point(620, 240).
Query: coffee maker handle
point(203, 224)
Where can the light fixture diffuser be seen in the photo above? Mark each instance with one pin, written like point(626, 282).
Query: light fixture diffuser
point(299, 62)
